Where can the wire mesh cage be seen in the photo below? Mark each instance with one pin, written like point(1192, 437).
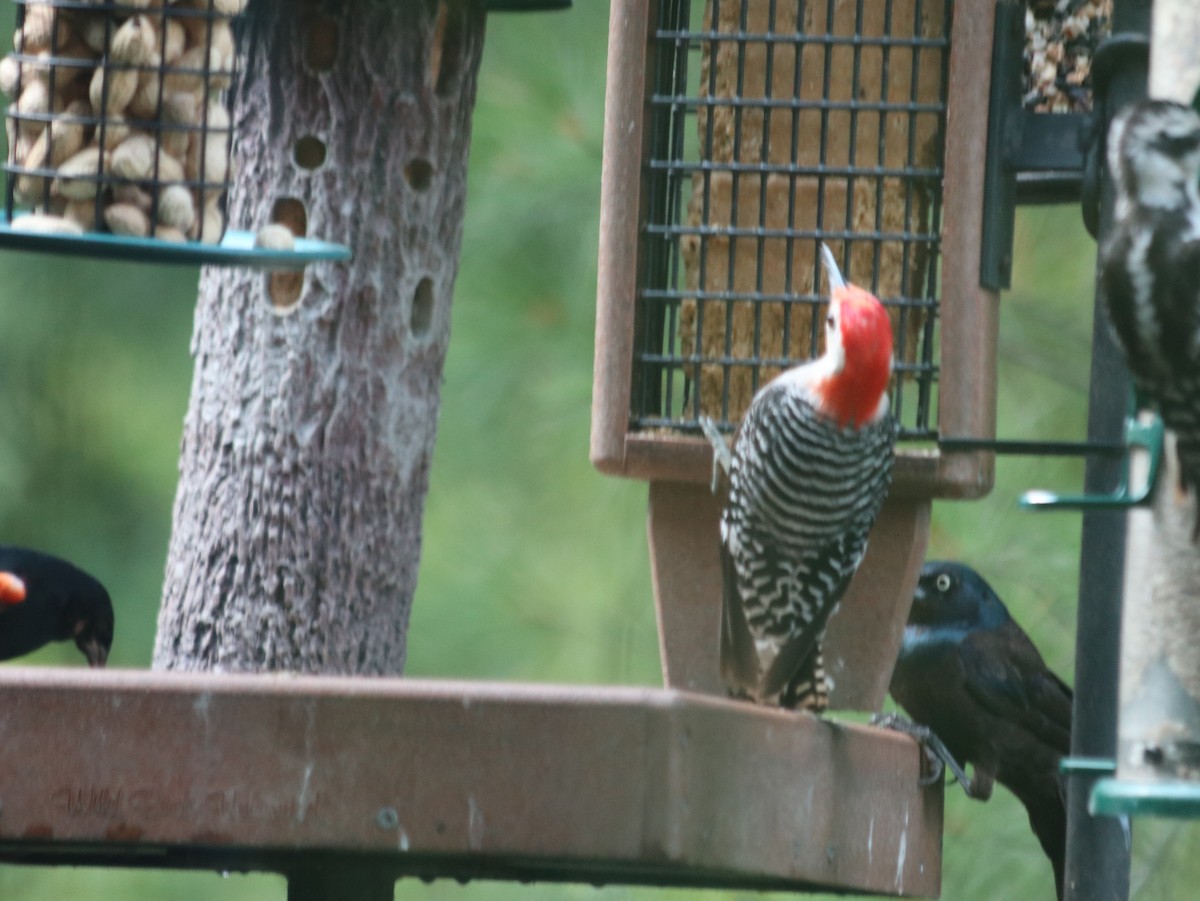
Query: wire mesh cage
point(118, 120)
point(767, 127)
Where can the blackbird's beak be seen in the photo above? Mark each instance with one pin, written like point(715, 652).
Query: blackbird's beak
point(919, 594)
point(96, 653)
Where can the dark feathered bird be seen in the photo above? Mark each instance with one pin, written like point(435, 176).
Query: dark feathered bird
point(968, 672)
point(1150, 266)
point(45, 599)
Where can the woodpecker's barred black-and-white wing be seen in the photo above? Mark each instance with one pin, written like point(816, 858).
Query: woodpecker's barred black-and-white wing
point(1150, 264)
point(1157, 319)
point(803, 496)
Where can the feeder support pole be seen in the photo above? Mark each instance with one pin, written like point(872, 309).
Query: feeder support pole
point(1098, 848)
point(310, 429)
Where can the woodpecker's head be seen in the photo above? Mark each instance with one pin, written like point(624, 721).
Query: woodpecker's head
point(858, 351)
point(1154, 155)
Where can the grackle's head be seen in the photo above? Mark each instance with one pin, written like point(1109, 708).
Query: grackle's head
point(953, 594)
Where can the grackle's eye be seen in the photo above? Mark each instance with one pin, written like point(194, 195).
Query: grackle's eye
point(943, 582)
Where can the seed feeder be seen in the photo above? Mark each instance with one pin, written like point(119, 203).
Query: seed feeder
point(1157, 768)
point(120, 140)
point(739, 136)
point(1156, 771)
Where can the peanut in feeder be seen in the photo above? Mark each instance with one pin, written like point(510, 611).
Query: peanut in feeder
point(119, 97)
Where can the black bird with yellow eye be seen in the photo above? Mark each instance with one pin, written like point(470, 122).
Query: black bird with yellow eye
point(968, 672)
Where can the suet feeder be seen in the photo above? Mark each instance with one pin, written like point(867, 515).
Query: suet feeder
point(1157, 770)
point(740, 134)
point(120, 137)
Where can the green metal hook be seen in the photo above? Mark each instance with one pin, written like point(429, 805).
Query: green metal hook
point(1087, 766)
point(1146, 435)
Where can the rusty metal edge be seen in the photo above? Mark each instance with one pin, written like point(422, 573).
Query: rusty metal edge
point(592, 784)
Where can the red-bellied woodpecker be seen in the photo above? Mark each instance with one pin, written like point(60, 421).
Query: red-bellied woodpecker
point(1150, 264)
point(811, 465)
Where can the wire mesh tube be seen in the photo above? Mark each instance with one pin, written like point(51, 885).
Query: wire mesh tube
point(775, 126)
point(118, 120)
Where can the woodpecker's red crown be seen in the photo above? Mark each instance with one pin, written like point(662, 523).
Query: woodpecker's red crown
point(852, 394)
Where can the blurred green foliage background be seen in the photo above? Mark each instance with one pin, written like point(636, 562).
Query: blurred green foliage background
point(535, 567)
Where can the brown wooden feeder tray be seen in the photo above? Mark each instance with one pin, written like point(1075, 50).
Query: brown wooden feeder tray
point(457, 779)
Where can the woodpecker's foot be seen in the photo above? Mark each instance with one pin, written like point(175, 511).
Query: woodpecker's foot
point(722, 456)
point(937, 755)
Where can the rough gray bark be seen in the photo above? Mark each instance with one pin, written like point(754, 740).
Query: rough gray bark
point(307, 441)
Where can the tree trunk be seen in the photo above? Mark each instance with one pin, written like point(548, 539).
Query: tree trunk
point(308, 437)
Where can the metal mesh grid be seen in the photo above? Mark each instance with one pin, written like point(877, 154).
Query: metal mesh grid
point(775, 125)
point(118, 120)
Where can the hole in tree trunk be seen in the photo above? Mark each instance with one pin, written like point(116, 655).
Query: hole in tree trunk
point(285, 286)
point(321, 46)
point(309, 152)
point(418, 174)
point(290, 211)
point(422, 308)
point(448, 47)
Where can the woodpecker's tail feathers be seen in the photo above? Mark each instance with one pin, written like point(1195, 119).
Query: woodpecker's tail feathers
point(809, 688)
point(832, 271)
point(722, 455)
point(796, 677)
point(740, 666)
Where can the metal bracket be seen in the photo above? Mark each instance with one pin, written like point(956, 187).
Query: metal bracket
point(1146, 435)
point(1119, 797)
point(525, 6)
point(1031, 157)
point(1088, 766)
point(1021, 447)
